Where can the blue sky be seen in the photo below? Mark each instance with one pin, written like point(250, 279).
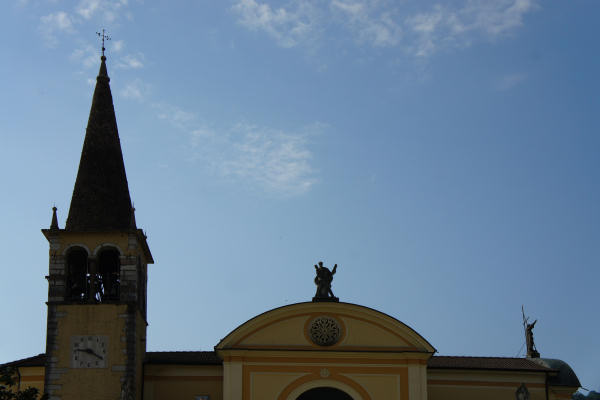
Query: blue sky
point(443, 154)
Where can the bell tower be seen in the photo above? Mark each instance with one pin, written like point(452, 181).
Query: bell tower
point(96, 329)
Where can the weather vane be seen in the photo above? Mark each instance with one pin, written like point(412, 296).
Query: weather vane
point(104, 37)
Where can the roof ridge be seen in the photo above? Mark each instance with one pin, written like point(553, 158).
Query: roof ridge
point(182, 351)
point(491, 357)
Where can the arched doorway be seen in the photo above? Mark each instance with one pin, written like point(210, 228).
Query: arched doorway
point(324, 393)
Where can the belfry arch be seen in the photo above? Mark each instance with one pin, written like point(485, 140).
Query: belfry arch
point(77, 273)
point(109, 270)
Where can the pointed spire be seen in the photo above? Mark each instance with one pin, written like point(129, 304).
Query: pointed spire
point(54, 223)
point(101, 195)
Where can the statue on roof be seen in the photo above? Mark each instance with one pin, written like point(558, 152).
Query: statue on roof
point(531, 349)
point(323, 281)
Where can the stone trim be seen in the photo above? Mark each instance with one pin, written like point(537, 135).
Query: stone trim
point(52, 372)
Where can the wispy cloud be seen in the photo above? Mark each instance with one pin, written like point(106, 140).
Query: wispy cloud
point(497, 17)
point(53, 23)
point(179, 118)
point(135, 90)
point(415, 27)
point(278, 161)
point(273, 160)
point(101, 11)
point(442, 27)
point(509, 81)
point(107, 10)
point(288, 26)
point(131, 61)
point(87, 55)
point(370, 25)
point(118, 45)
point(87, 8)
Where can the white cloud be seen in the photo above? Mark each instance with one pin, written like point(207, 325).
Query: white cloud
point(288, 26)
point(497, 17)
point(84, 13)
point(416, 27)
point(59, 21)
point(107, 10)
point(135, 90)
point(176, 116)
point(275, 161)
point(509, 81)
point(200, 134)
point(443, 27)
point(118, 45)
point(278, 161)
point(87, 8)
point(379, 30)
point(131, 61)
point(87, 55)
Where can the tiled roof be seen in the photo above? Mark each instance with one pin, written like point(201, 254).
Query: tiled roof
point(435, 362)
point(35, 361)
point(484, 363)
point(565, 376)
point(152, 357)
point(183, 357)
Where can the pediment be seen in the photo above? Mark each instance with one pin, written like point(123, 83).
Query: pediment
point(325, 326)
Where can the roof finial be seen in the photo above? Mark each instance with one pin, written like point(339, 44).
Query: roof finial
point(54, 223)
point(104, 37)
point(132, 224)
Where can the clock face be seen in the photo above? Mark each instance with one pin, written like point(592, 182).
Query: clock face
point(89, 351)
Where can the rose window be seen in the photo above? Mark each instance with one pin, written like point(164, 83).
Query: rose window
point(324, 331)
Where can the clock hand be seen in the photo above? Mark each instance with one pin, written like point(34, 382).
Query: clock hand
point(92, 352)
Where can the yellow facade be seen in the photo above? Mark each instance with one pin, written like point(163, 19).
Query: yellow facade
point(102, 319)
point(484, 384)
point(274, 356)
point(183, 382)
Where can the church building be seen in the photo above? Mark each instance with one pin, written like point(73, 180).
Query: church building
point(319, 349)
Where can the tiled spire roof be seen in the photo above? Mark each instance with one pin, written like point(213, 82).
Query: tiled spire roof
point(101, 195)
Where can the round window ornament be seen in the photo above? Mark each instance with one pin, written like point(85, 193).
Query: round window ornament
point(324, 331)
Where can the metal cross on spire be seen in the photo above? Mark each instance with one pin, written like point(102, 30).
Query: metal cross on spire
point(104, 37)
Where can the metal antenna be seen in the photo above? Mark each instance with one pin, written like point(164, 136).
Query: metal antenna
point(104, 37)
